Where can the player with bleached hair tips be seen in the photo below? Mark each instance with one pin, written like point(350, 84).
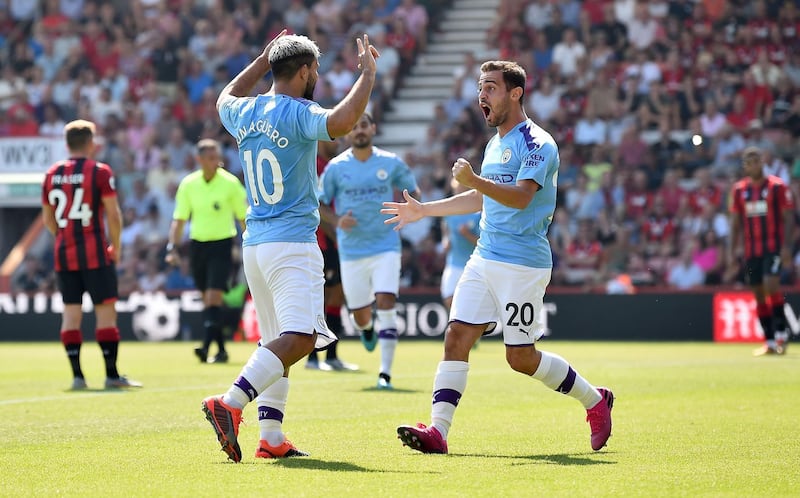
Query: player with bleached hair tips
point(277, 133)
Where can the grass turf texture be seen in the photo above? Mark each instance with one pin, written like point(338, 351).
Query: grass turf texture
point(689, 420)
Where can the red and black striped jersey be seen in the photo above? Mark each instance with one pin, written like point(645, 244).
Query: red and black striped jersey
point(75, 188)
point(761, 208)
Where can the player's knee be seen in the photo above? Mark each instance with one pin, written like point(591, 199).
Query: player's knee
point(522, 359)
point(307, 346)
point(385, 301)
point(458, 341)
point(303, 344)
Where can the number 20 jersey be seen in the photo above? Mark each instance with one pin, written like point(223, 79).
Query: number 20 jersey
point(277, 137)
point(519, 236)
point(75, 188)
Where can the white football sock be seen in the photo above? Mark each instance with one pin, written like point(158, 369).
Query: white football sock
point(387, 338)
point(262, 369)
point(448, 387)
point(271, 408)
point(555, 373)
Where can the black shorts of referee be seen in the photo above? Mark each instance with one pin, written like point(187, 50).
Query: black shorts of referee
point(211, 263)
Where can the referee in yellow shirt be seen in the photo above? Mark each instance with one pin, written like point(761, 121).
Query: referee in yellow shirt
point(214, 200)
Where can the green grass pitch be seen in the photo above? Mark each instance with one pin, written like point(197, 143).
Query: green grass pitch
point(689, 420)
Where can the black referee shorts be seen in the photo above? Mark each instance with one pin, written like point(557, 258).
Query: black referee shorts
point(100, 283)
point(211, 263)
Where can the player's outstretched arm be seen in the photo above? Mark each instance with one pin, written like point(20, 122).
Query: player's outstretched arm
point(412, 210)
point(347, 112)
point(246, 80)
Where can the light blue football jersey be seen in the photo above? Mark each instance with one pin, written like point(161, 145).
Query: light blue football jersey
point(362, 187)
point(460, 248)
point(519, 236)
point(277, 137)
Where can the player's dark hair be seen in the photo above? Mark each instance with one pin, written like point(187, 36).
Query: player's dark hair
point(79, 134)
point(369, 117)
point(513, 75)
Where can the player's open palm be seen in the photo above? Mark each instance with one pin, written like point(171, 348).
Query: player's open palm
point(403, 213)
point(366, 55)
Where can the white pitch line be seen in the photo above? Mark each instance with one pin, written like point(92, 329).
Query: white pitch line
point(78, 395)
point(334, 378)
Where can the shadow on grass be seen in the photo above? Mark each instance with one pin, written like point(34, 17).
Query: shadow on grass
point(554, 459)
point(334, 466)
point(397, 390)
point(97, 390)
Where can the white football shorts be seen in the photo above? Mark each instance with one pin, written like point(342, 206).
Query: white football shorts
point(450, 277)
point(286, 282)
point(364, 277)
point(489, 291)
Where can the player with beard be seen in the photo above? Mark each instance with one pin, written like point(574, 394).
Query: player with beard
point(277, 134)
point(334, 296)
point(506, 276)
point(357, 182)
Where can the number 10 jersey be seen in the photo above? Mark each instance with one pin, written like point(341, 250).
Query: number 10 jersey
point(277, 138)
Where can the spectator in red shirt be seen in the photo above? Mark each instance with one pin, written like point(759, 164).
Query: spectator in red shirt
point(789, 23)
point(746, 46)
point(700, 24)
point(757, 98)
point(573, 100)
point(402, 41)
point(672, 73)
point(583, 256)
point(22, 122)
point(777, 48)
point(759, 22)
point(638, 199)
point(631, 150)
point(92, 35)
point(739, 117)
point(597, 11)
point(671, 192)
point(705, 193)
point(659, 227)
point(105, 57)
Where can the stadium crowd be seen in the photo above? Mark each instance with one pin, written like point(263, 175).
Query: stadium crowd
point(650, 102)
